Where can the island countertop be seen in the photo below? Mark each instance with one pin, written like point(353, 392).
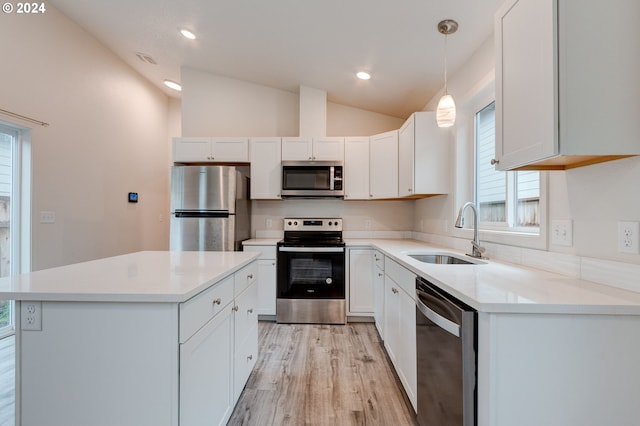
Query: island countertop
point(146, 276)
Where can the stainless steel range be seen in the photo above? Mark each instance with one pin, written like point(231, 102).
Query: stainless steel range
point(311, 272)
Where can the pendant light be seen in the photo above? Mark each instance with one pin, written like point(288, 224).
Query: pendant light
point(446, 112)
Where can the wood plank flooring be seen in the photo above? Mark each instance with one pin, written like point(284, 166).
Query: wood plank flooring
point(322, 375)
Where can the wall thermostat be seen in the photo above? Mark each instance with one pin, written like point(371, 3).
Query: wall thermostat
point(133, 197)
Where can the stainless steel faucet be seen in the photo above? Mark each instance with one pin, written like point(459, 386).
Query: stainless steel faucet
point(477, 249)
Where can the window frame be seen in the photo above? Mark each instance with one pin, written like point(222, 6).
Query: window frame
point(20, 246)
point(482, 95)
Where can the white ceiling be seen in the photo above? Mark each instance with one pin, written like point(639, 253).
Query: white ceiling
point(288, 43)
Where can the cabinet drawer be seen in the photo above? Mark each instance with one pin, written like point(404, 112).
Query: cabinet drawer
point(245, 357)
point(246, 311)
point(266, 252)
point(245, 277)
point(402, 276)
point(195, 312)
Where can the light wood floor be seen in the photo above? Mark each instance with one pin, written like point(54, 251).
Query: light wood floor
point(322, 375)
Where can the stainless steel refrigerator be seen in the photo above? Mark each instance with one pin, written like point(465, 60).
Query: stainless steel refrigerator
point(210, 208)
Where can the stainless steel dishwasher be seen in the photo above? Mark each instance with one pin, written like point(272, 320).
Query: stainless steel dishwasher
point(446, 343)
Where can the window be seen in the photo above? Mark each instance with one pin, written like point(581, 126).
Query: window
point(508, 201)
point(14, 205)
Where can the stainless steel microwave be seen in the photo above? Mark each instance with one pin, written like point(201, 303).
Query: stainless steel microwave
point(311, 179)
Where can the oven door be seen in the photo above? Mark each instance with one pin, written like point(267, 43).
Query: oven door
point(311, 272)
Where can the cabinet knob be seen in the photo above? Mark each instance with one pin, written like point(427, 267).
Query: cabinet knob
point(250, 276)
point(250, 357)
point(409, 189)
point(217, 301)
point(494, 161)
point(310, 158)
point(273, 263)
point(394, 290)
point(379, 274)
point(250, 311)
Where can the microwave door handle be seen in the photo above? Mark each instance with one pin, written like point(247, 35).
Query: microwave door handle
point(332, 179)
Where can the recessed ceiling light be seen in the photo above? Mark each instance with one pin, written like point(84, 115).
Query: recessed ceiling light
point(187, 34)
point(363, 75)
point(173, 85)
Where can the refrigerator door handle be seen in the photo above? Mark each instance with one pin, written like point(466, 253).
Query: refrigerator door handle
point(201, 213)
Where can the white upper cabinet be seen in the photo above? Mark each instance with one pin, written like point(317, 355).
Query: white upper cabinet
point(383, 165)
point(567, 91)
point(316, 149)
point(356, 168)
point(423, 157)
point(218, 150)
point(266, 168)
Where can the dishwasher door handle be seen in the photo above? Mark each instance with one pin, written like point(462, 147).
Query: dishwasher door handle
point(439, 320)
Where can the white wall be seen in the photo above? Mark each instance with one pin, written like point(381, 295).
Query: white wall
point(219, 106)
point(344, 120)
point(595, 197)
point(108, 136)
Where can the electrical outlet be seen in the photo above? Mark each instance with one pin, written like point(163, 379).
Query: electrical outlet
point(269, 223)
point(562, 232)
point(628, 237)
point(31, 316)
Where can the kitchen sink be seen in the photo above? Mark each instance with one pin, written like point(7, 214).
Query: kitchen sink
point(443, 259)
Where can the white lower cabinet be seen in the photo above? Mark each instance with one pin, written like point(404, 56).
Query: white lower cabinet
point(400, 325)
point(267, 278)
point(215, 361)
point(206, 373)
point(360, 281)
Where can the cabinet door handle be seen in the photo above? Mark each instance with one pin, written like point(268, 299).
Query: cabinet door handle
point(217, 301)
point(250, 311)
point(394, 290)
point(494, 161)
point(250, 357)
point(379, 274)
point(250, 276)
point(235, 308)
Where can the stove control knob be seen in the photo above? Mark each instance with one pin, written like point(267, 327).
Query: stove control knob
point(289, 223)
point(329, 223)
point(295, 223)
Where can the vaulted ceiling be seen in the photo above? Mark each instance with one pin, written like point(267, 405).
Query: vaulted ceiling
point(288, 43)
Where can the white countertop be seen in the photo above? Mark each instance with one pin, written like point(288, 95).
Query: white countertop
point(147, 276)
point(497, 286)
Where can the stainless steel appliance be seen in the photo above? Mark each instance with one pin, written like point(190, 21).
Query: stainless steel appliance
point(311, 272)
point(210, 208)
point(446, 343)
point(310, 179)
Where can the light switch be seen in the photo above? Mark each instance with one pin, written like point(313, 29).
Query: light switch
point(47, 217)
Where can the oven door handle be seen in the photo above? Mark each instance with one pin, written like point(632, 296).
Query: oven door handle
point(312, 249)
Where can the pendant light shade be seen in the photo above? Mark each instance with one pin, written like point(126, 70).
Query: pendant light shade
point(446, 112)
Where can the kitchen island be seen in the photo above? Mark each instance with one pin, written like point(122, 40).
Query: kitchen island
point(148, 338)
